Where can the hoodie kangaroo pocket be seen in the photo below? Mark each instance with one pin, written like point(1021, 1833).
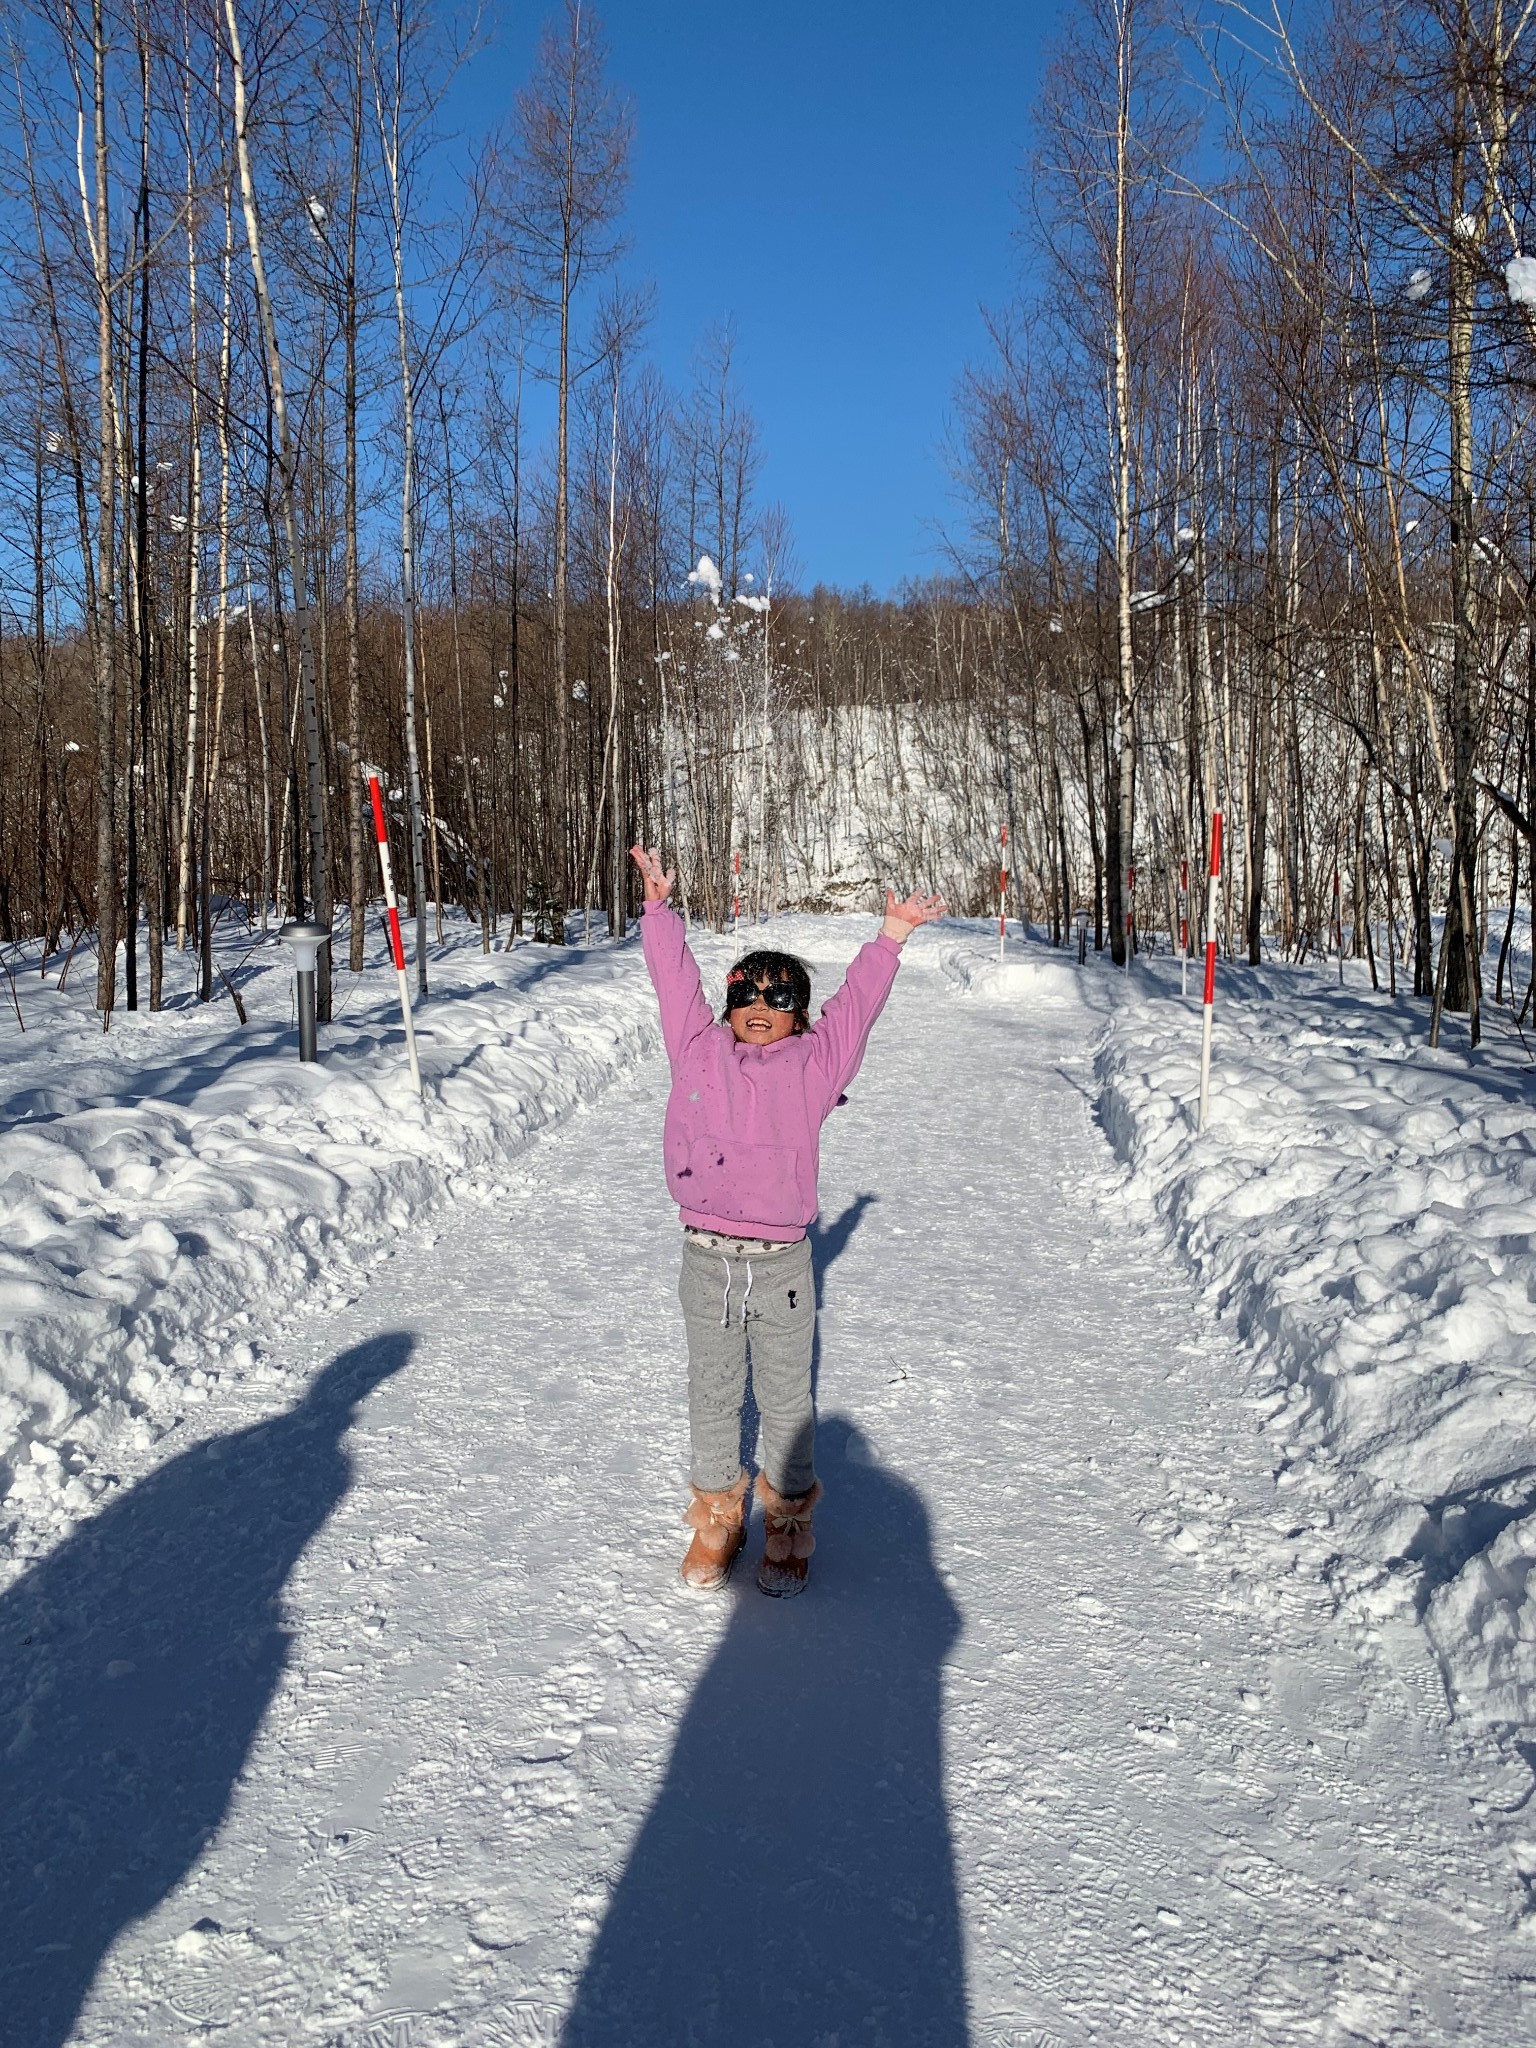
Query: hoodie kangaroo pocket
point(741, 1183)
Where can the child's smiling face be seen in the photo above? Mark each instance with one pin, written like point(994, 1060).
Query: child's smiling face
point(757, 1024)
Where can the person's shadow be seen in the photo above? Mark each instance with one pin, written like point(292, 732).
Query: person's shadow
point(136, 1664)
point(828, 1242)
point(829, 1239)
point(794, 1882)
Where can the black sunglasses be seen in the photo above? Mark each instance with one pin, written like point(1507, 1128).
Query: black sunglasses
point(741, 995)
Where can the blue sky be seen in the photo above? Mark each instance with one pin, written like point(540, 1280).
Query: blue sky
point(841, 179)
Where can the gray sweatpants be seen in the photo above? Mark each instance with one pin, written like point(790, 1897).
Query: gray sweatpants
point(738, 1294)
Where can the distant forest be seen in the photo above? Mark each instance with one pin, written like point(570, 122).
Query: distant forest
point(1244, 512)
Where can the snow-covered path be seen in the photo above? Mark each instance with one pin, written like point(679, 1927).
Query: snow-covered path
point(1060, 1746)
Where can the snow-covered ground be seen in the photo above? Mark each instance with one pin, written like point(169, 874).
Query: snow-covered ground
point(1366, 1208)
point(363, 1706)
point(171, 1189)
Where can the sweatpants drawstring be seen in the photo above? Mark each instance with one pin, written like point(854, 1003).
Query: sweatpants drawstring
point(725, 1306)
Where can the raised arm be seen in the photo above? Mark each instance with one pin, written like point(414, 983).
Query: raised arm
point(843, 1028)
point(903, 919)
point(674, 971)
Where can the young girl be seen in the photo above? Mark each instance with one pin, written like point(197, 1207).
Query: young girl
point(741, 1142)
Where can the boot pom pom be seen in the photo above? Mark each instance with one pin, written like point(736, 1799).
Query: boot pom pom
point(717, 1516)
point(787, 1522)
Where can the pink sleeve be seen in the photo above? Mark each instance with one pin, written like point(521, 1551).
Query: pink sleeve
point(847, 1018)
point(675, 977)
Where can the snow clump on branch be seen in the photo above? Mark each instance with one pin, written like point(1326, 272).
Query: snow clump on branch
point(706, 577)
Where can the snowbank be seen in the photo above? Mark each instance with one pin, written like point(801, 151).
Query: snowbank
point(169, 1190)
point(1367, 1208)
point(964, 950)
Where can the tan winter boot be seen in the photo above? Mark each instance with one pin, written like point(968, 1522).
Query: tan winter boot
point(787, 1551)
point(718, 1522)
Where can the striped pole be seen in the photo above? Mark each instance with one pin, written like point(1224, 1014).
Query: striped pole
point(1002, 899)
point(1183, 927)
point(1208, 1016)
point(392, 919)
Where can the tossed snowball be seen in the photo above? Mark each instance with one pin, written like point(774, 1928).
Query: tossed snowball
point(1520, 280)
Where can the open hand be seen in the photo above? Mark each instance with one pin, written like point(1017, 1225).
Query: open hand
point(902, 919)
point(658, 880)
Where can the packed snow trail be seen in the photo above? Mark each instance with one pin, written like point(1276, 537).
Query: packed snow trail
point(1058, 1746)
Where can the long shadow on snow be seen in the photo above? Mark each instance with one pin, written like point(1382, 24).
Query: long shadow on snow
point(794, 1881)
point(136, 1664)
point(828, 1242)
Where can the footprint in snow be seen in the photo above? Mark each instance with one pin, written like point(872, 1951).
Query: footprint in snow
point(1156, 1737)
point(524, 2024)
point(198, 1938)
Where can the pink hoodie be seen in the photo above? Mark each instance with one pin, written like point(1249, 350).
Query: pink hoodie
point(743, 1132)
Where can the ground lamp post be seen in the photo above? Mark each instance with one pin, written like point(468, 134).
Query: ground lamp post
point(306, 940)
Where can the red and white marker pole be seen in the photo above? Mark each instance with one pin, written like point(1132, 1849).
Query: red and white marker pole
point(1208, 1016)
point(736, 892)
point(1002, 899)
point(392, 918)
point(1183, 927)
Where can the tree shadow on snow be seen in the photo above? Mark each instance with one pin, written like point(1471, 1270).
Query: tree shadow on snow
point(794, 1882)
point(136, 1664)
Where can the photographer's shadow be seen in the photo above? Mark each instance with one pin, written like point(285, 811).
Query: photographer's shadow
point(136, 1664)
point(794, 1882)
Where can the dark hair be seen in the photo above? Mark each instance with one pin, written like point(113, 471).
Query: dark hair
point(765, 966)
